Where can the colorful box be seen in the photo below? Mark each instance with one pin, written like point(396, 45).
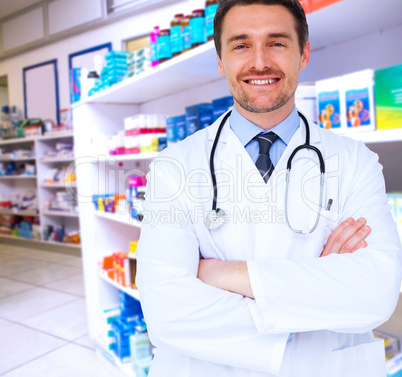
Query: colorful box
point(388, 97)
point(359, 100)
point(331, 105)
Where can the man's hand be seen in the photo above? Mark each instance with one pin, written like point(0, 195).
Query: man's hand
point(347, 237)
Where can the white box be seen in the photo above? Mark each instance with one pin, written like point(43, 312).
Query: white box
point(306, 100)
point(359, 100)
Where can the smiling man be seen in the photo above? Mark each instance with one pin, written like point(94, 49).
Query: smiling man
point(257, 297)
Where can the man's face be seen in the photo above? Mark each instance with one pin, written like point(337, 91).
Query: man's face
point(261, 57)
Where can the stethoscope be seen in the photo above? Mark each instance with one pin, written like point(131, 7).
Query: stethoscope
point(214, 218)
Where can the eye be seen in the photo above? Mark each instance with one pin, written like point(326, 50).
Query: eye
point(240, 47)
point(278, 44)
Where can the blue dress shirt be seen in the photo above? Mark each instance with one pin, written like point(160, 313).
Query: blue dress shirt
point(246, 131)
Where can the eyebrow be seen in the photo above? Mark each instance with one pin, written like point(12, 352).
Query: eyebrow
point(270, 35)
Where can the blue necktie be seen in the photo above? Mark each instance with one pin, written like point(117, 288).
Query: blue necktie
point(264, 163)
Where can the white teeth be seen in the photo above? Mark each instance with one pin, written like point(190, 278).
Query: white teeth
point(263, 82)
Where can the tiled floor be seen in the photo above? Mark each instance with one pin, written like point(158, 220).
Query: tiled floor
point(43, 318)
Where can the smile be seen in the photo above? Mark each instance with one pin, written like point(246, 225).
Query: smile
point(262, 82)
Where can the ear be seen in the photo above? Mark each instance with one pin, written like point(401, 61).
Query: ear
point(220, 66)
point(305, 57)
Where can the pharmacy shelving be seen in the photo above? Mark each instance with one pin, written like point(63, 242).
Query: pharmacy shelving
point(191, 78)
point(59, 213)
point(20, 184)
point(12, 177)
point(130, 291)
point(18, 212)
point(63, 185)
point(120, 218)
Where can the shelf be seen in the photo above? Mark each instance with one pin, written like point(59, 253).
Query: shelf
point(379, 136)
point(57, 135)
point(60, 213)
point(125, 219)
point(130, 291)
point(19, 212)
point(74, 246)
point(186, 71)
point(134, 157)
point(9, 177)
point(52, 160)
point(58, 185)
point(17, 159)
point(19, 140)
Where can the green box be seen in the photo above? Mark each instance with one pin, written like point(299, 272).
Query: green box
point(388, 97)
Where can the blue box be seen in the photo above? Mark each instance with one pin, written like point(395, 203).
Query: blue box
point(220, 106)
point(181, 127)
point(171, 130)
point(193, 114)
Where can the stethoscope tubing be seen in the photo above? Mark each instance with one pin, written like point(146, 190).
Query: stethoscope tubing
point(306, 145)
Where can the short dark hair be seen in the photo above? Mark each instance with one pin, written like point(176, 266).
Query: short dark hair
point(293, 6)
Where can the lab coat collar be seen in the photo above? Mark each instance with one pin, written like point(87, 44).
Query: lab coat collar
point(232, 147)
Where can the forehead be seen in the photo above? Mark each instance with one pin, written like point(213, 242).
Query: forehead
point(258, 19)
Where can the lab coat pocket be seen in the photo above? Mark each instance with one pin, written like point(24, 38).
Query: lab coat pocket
point(364, 360)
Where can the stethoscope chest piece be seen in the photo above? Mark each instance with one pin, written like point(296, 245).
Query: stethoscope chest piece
point(213, 219)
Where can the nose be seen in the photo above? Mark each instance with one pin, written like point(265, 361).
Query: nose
point(260, 58)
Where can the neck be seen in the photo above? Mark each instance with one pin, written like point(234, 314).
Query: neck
point(269, 120)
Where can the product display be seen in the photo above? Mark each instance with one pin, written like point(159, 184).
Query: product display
point(176, 42)
point(359, 97)
point(197, 117)
point(388, 97)
point(13, 169)
point(198, 28)
point(20, 226)
point(163, 45)
point(124, 333)
point(142, 133)
point(59, 175)
point(63, 202)
point(331, 104)
point(61, 150)
point(210, 10)
point(58, 234)
point(130, 203)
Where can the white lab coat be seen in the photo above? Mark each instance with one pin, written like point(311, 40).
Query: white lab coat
point(330, 303)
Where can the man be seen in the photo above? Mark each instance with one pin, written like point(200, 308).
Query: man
point(253, 298)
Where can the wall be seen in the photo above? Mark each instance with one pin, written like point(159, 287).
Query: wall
point(138, 25)
point(3, 96)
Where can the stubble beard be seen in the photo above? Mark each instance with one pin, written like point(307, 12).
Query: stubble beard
point(241, 97)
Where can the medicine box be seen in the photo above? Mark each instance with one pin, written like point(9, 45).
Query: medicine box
point(181, 127)
point(220, 106)
point(359, 100)
point(331, 104)
point(306, 100)
point(194, 114)
point(388, 97)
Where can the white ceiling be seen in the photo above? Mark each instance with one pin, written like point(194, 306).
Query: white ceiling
point(8, 7)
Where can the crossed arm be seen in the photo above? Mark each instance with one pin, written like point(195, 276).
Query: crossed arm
point(348, 237)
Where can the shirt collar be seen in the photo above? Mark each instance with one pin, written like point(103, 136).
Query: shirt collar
point(246, 130)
